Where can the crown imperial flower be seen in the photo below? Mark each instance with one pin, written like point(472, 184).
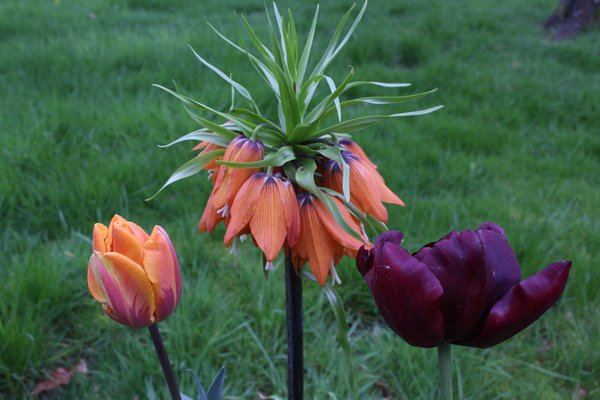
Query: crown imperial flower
point(300, 150)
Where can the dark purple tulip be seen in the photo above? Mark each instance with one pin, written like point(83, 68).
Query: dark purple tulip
point(464, 289)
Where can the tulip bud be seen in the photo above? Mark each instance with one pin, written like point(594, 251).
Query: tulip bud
point(136, 277)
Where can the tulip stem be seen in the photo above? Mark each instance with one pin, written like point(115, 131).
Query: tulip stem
point(295, 347)
point(163, 357)
point(445, 361)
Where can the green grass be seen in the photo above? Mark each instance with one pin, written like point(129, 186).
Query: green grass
point(517, 143)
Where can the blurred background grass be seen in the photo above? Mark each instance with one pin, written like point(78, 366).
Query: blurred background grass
point(517, 143)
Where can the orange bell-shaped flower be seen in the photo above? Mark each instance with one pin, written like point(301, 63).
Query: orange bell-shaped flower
point(322, 242)
point(266, 208)
point(136, 277)
point(368, 190)
point(228, 181)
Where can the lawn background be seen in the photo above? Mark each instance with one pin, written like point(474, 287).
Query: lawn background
point(517, 143)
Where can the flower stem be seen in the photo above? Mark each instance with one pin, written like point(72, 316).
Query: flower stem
point(445, 362)
point(295, 347)
point(164, 362)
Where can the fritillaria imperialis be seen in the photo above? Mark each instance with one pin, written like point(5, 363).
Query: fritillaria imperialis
point(134, 275)
point(464, 289)
point(290, 176)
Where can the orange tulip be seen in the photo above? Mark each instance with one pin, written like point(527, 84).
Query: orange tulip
point(368, 190)
point(136, 277)
point(265, 207)
point(322, 242)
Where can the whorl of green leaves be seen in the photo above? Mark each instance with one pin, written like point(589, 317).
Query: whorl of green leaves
point(305, 126)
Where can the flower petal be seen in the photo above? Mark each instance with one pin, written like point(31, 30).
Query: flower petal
point(162, 267)
point(268, 225)
point(522, 305)
point(458, 263)
point(502, 268)
point(124, 242)
point(291, 211)
point(96, 289)
point(244, 206)
point(230, 180)
point(337, 232)
point(127, 290)
point(314, 244)
point(407, 294)
point(99, 238)
point(351, 146)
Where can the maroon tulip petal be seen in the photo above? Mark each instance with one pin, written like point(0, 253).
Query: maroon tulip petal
point(476, 268)
point(522, 305)
point(458, 263)
point(407, 294)
point(502, 268)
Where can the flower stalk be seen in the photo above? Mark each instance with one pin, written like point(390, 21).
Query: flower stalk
point(295, 345)
point(165, 364)
point(445, 364)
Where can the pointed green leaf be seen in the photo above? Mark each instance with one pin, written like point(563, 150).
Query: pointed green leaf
point(199, 386)
point(216, 387)
point(380, 84)
point(241, 89)
point(334, 153)
point(336, 100)
point(307, 49)
point(342, 336)
point(200, 135)
point(418, 112)
point(190, 168)
point(277, 159)
point(243, 125)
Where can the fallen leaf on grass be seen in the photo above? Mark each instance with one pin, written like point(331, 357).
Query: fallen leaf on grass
point(60, 376)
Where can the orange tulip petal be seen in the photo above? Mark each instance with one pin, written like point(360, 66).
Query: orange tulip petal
point(140, 234)
point(162, 267)
point(125, 243)
point(129, 296)
point(96, 289)
point(99, 238)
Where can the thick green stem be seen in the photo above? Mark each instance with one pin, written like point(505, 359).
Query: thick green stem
point(445, 362)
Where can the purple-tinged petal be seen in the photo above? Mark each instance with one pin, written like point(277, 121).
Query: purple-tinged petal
point(492, 226)
point(126, 291)
point(407, 294)
point(522, 305)
point(162, 267)
point(364, 260)
point(501, 265)
point(458, 264)
point(394, 237)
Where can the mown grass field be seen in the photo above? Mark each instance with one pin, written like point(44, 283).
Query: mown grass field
point(518, 143)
